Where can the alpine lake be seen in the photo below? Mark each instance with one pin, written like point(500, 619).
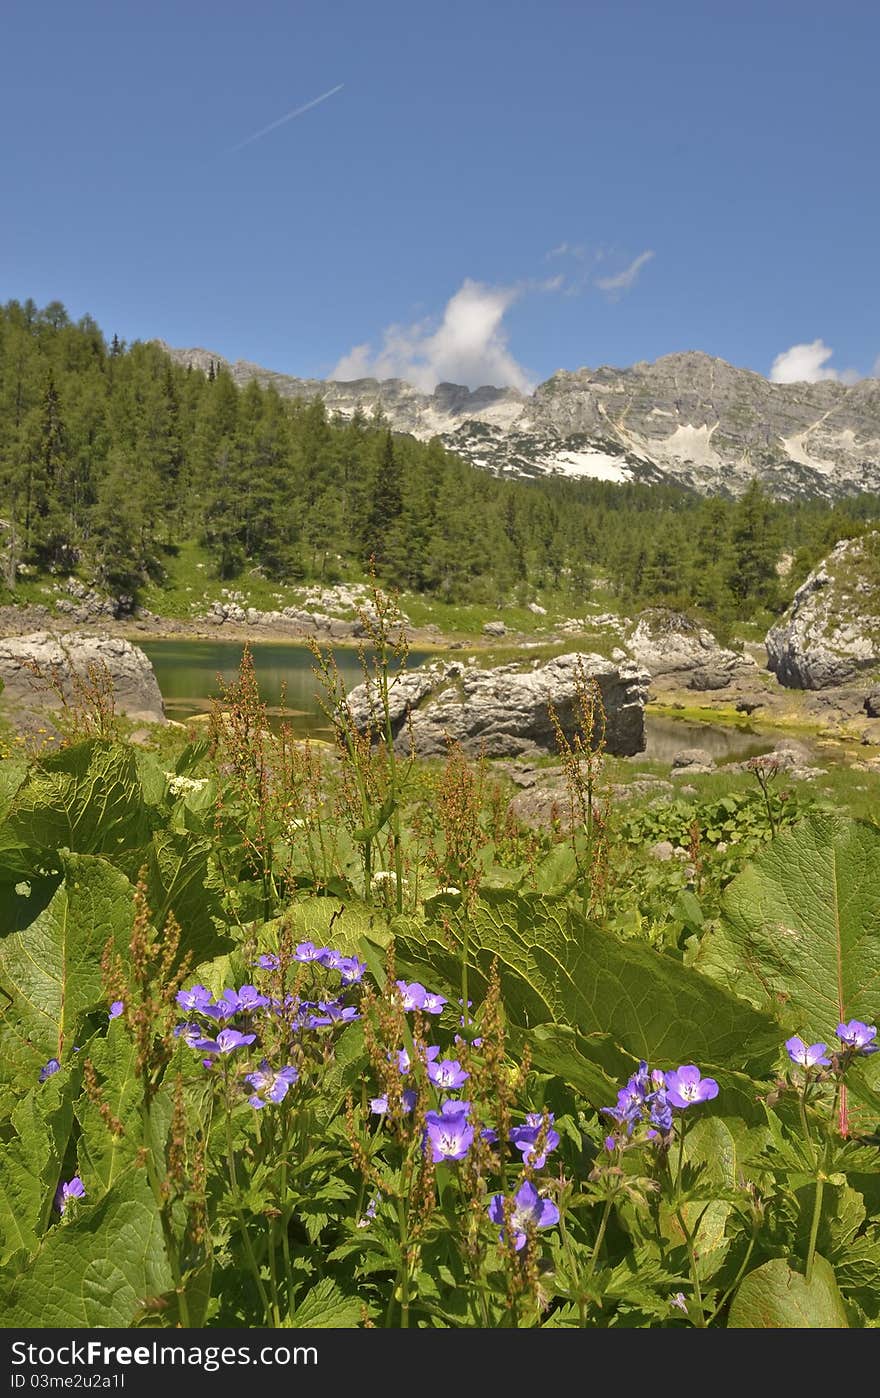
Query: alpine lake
point(190, 673)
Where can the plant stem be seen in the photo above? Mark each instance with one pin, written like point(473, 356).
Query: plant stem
point(692, 1260)
point(239, 1210)
point(600, 1238)
point(736, 1281)
point(821, 1172)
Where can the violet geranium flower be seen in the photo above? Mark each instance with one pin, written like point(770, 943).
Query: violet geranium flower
point(196, 998)
point(524, 1138)
point(448, 1074)
point(528, 1208)
point(48, 1069)
point(858, 1036)
point(807, 1055)
point(379, 1105)
point(67, 1190)
point(449, 1132)
point(685, 1087)
point(307, 951)
point(116, 1009)
point(227, 1041)
point(413, 995)
point(273, 1083)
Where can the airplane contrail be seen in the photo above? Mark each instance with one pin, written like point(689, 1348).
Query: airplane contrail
point(298, 111)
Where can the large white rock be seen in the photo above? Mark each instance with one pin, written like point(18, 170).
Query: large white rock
point(505, 711)
point(830, 634)
point(135, 688)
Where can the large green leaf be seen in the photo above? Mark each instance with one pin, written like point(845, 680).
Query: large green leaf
point(326, 1307)
point(50, 971)
point(97, 1269)
point(557, 967)
point(85, 798)
point(774, 1297)
point(30, 1162)
point(179, 881)
point(800, 935)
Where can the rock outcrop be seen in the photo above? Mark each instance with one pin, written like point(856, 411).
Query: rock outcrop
point(504, 711)
point(668, 643)
point(135, 689)
point(830, 634)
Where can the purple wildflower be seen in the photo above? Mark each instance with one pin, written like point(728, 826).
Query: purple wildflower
point(369, 1213)
point(351, 969)
point(191, 1034)
point(71, 1189)
point(447, 1074)
point(858, 1036)
point(227, 1041)
point(273, 1083)
point(528, 1208)
point(449, 1132)
point(403, 1059)
point(685, 1087)
point(224, 1008)
point(413, 996)
point(525, 1137)
point(268, 961)
point(249, 998)
point(661, 1112)
point(433, 1003)
point(307, 951)
point(48, 1069)
point(379, 1105)
point(807, 1055)
point(330, 957)
point(331, 1012)
point(116, 1009)
point(196, 998)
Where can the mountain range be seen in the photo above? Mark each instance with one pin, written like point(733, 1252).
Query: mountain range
point(686, 419)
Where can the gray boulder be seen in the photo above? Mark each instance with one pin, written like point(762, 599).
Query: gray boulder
point(504, 711)
point(872, 703)
point(135, 689)
point(692, 760)
point(669, 643)
point(831, 632)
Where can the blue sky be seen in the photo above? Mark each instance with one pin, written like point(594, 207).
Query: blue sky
point(451, 211)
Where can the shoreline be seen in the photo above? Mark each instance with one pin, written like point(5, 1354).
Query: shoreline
point(827, 716)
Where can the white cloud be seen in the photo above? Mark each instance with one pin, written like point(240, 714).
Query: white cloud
point(803, 364)
point(468, 346)
point(626, 279)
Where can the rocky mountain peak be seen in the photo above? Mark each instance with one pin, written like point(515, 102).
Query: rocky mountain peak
point(687, 419)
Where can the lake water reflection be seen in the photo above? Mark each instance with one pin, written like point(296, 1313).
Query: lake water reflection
point(187, 673)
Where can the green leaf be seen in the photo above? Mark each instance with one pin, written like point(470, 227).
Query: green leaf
point(559, 1049)
point(800, 935)
point(95, 1270)
point(325, 1307)
point(383, 815)
point(85, 798)
point(30, 1165)
point(774, 1297)
point(556, 967)
point(50, 971)
point(178, 882)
